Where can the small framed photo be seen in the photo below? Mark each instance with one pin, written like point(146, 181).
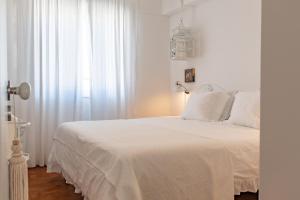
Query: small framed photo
point(189, 75)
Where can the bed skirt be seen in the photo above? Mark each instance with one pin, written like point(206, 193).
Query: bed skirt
point(92, 183)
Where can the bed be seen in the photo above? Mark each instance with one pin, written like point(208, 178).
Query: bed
point(163, 158)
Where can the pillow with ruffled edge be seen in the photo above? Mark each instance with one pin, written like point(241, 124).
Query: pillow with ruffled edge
point(246, 109)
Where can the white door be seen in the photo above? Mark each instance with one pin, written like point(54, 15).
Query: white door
point(4, 141)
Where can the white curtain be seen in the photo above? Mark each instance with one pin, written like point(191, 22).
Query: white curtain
point(80, 57)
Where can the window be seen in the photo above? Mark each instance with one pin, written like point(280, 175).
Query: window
point(84, 59)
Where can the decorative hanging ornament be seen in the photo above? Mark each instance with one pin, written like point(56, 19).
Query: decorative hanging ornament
point(182, 44)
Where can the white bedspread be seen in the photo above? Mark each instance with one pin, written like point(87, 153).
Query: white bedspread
point(157, 159)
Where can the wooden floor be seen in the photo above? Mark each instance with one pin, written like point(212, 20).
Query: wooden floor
point(43, 186)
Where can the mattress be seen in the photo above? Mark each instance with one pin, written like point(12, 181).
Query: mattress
point(157, 159)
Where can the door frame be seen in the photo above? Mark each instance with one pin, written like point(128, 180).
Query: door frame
point(4, 174)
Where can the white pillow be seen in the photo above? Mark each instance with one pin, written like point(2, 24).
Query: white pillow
point(207, 106)
point(246, 109)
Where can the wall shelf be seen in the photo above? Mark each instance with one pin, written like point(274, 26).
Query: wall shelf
point(171, 7)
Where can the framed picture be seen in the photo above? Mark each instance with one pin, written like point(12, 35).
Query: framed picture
point(189, 75)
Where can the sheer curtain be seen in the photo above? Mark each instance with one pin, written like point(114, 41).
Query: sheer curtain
point(79, 56)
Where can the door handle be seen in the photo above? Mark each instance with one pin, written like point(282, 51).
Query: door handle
point(23, 90)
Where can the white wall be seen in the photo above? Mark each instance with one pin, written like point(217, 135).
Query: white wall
point(153, 85)
point(228, 37)
point(280, 131)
